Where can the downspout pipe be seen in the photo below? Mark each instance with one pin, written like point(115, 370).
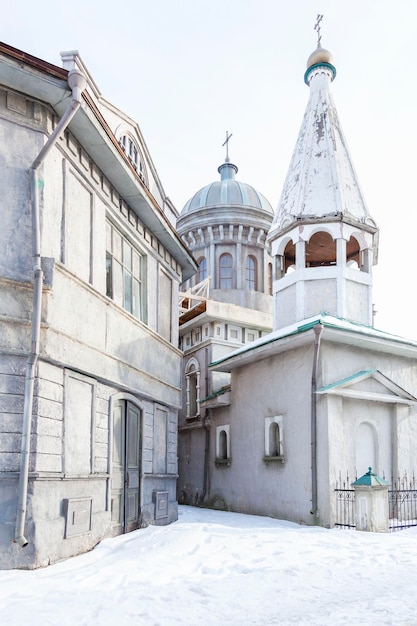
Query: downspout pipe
point(206, 428)
point(77, 84)
point(318, 331)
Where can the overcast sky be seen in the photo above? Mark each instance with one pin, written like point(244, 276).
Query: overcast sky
point(188, 70)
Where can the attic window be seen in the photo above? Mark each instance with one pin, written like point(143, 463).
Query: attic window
point(131, 150)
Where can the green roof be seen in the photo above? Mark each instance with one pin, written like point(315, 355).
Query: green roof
point(370, 480)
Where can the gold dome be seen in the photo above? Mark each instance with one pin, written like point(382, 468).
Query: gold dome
point(320, 55)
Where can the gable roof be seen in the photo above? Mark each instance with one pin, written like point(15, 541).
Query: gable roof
point(348, 388)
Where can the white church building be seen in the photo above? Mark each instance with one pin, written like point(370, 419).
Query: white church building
point(324, 393)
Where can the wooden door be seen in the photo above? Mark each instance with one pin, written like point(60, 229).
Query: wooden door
point(126, 467)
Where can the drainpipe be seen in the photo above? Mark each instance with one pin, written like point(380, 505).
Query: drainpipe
point(77, 83)
point(206, 428)
point(318, 331)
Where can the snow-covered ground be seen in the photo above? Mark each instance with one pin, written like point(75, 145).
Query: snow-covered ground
point(217, 568)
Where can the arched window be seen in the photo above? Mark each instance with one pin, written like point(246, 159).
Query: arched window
point(192, 380)
point(321, 250)
point(225, 271)
point(353, 253)
point(270, 281)
point(202, 269)
point(250, 273)
point(289, 257)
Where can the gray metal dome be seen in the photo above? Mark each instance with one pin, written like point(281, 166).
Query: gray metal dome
point(227, 191)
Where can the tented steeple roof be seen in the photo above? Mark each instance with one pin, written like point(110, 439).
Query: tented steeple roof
point(321, 180)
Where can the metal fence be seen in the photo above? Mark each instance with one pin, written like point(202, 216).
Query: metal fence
point(402, 500)
point(402, 503)
point(345, 503)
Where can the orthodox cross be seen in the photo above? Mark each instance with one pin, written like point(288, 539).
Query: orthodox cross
point(226, 143)
point(317, 27)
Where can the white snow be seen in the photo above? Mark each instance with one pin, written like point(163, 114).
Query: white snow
point(216, 568)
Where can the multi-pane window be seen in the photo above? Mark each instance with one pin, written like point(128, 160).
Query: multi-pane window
point(132, 152)
point(250, 273)
point(124, 273)
point(225, 271)
point(202, 269)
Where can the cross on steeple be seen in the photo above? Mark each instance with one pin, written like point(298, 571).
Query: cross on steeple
point(226, 143)
point(317, 28)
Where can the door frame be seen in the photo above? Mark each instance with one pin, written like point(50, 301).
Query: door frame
point(121, 527)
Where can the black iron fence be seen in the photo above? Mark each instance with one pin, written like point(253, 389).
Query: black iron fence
point(402, 501)
point(345, 503)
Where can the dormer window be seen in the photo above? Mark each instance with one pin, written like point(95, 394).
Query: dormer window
point(131, 150)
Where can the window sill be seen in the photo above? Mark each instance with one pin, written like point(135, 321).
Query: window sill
point(226, 462)
point(268, 459)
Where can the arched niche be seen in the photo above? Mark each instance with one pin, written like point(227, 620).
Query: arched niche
point(366, 448)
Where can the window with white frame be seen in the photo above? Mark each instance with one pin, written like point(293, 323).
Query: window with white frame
point(192, 383)
point(274, 440)
point(223, 444)
point(125, 271)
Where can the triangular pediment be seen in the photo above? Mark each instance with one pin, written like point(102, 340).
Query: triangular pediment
point(369, 385)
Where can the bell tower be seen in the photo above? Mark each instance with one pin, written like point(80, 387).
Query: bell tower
point(323, 240)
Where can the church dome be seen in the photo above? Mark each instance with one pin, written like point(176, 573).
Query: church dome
point(227, 191)
point(320, 55)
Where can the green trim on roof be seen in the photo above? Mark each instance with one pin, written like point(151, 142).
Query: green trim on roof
point(313, 67)
point(325, 320)
point(298, 330)
point(220, 392)
point(349, 379)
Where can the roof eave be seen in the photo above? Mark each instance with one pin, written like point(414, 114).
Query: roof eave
point(48, 83)
point(272, 344)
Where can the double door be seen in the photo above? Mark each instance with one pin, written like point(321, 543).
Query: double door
point(126, 462)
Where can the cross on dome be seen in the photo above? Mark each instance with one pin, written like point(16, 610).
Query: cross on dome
point(226, 143)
